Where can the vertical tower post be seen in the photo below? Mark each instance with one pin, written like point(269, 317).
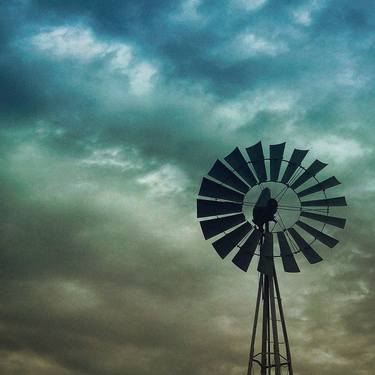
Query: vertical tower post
point(273, 354)
point(265, 325)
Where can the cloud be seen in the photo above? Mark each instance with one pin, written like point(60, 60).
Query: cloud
point(166, 180)
point(79, 43)
point(110, 115)
point(188, 12)
point(114, 157)
point(248, 45)
point(340, 150)
point(242, 111)
point(303, 14)
point(141, 78)
point(70, 41)
point(250, 5)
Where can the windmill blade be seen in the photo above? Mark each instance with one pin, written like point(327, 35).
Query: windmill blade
point(236, 160)
point(287, 257)
point(331, 220)
point(212, 227)
point(256, 156)
point(276, 156)
point(243, 257)
point(310, 254)
point(225, 175)
point(213, 208)
point(225, 244)
point(321, 186)
point(339, 201)
point(310, 172)
point(266, 264)
point(320, 236)
point(212, 189)
point(294, 162)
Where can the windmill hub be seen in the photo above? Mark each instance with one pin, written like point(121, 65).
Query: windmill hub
point(272, 205)
point(264, 210)
point(287, 211)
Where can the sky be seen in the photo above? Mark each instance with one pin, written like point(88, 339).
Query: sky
point(110, 114)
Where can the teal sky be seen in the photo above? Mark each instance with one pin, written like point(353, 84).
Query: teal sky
point(110, 114)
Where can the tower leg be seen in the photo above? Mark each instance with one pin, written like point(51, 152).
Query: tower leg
point(265, 323)
point(283, 325)
point(276, 352)
point(252, 345)
point(269, 361)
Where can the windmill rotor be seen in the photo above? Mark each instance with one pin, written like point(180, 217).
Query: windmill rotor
point(223, 207)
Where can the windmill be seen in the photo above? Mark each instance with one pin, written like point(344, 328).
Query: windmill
point(268, 208)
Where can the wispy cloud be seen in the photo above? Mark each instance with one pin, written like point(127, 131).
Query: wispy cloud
point(234, 114)
point(340, 149)
point(250, 5)
point(123, 159)
point(166, 180)
point(72, 41)
point(78, 42)
point(248, 45)
point(188, 12)
point(303, 14)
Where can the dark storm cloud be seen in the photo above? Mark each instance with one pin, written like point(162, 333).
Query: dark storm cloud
point(79, 284)
point(104, 270)
point(185, 47)
point(196, 51)
point(86, 297)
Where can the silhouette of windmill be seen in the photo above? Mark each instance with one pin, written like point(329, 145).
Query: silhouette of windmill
point(261, 214)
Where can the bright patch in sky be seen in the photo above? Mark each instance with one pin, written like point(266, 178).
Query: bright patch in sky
point(69, 41)
point(251, 5)
point(237, 113)
point(249, 44)
point(80, 43)
point(141, 78)
point(168, 179)
point(121, 56)
point(339, 149)
point(76, 296)
point(188, 11)
point(113, 157)
point(304, 13)
point(302, 16)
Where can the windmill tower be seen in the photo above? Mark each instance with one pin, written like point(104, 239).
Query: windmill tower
point(268, 208)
